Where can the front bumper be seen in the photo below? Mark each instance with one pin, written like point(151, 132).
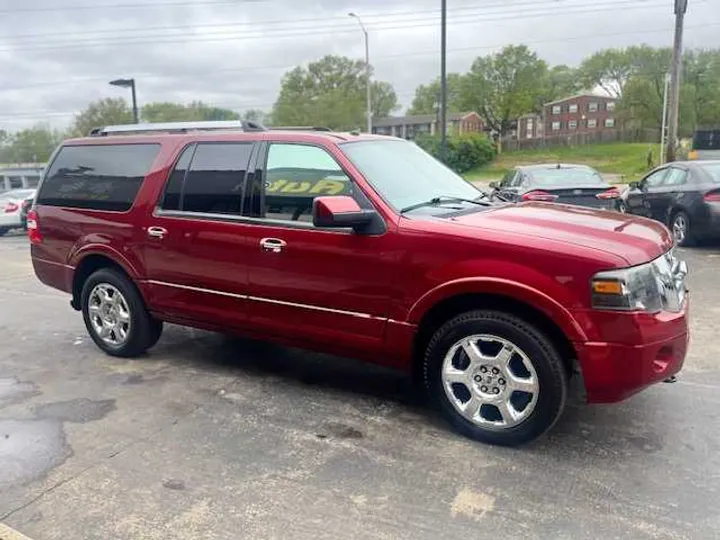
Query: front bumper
point(646, 349)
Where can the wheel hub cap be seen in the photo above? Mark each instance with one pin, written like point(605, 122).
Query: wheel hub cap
point(109, 314)
point(490, 381)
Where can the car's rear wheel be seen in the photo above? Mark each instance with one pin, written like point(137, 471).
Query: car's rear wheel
point(495, 378)
point(680, 227)
point(115, 315)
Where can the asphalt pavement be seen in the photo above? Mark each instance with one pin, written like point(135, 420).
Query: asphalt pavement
point(219, 438)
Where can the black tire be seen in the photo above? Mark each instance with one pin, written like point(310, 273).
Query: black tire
point(688, 239)
point(144, 330)
point(552, 376)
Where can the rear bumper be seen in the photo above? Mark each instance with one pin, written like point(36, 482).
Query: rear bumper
point(55, 275)
point(708, 222)
point(615, 371)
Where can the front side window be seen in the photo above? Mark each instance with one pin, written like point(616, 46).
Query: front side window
point(99, 177)
point(676, 177)
point(295, 175)
point(216, 179)
point(656, 178)
point(403, 174)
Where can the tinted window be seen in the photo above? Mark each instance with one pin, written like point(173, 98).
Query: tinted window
point(296, 174)
point(97, 177)
point(216, 178)
point(171, 199)
point(565, 177)
point(706, 139)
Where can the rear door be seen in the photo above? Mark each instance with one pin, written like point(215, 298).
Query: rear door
point(196, 248)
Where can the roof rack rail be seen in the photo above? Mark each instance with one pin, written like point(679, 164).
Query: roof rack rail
point(177, 127)
point(299, 128)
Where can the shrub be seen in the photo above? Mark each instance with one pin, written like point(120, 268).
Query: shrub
point(464, 152)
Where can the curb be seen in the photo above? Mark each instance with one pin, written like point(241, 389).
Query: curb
point(6, 533)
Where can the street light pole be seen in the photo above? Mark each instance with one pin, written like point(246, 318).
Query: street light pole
point(664, 120)
point(129, 83)
point(368, 88)
point(675, 73)
point(443, 78)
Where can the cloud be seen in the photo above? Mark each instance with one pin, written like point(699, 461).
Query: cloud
point(57, 55)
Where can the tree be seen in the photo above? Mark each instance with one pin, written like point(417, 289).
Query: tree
point(609, 69)
point(179, 112)
point(561, 81)
point(255, 115)
point(100, 113)
point(30, 145)
point(427, 96)
point(384, 99)
point(329, 92)
point(504, 86)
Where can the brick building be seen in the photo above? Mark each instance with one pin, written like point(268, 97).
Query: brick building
point(579, 114)
point(408, 127)
point(530, 126)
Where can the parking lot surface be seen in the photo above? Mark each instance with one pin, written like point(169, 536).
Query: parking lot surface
point(220, 438)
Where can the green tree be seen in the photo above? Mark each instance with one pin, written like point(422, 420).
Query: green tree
point(179, 112)
point(561, 81)
point(329, 92)
point(384, 99)
point(34, 144)
point(609, 69)
point(427, 96)
point(108, 111)
point(504, 86)
point(255, 115)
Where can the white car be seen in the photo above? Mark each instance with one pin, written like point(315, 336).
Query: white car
point(11, 203)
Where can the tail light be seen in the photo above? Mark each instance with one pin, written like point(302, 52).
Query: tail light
point(33, 228)
point(543, 196)
point(712, 196)
point(11, 207)
point(612, 193)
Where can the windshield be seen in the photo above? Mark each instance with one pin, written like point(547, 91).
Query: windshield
point(563, 177)
point(404, 174)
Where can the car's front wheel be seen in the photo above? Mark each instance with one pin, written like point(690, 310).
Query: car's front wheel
point(115, 315)
point(495, 378)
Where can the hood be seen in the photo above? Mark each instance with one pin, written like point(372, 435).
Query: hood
point(635, 239)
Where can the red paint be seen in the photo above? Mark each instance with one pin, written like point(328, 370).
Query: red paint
point(366, 295)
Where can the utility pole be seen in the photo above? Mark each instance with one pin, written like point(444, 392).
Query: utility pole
point(443, 77)
point(663, 131)
point(675, 74)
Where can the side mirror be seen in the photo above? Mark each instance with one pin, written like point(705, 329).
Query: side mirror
point(634, 185)
point(340, 211)
point(494, 185)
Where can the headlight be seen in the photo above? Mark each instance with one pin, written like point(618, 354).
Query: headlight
point(652, 287)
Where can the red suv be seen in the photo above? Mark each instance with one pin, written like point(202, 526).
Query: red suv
point(361, 246)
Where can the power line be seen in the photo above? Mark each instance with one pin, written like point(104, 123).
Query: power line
point(378, 57)
point(84, 7)
point(324, 30)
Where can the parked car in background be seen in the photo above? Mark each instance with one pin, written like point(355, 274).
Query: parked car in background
point(11, 209)
point(685, 196)
point(362, 246)
point(562, 183)
point(705, 144)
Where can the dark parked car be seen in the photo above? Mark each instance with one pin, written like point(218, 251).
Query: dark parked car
point(683, 195)
point(563, 183)
point(362, 246)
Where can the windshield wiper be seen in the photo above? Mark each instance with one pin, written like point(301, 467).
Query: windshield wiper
point(436, 201)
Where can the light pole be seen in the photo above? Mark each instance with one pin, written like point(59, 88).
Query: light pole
point(675, 74)
point(129, 83)
point(663, 129)
point(443, 78)
point(367, 70)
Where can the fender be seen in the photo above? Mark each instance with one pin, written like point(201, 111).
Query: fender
point(76, 257)
point(503, 287)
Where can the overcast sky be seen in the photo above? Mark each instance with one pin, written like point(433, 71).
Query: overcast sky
point(57, 55)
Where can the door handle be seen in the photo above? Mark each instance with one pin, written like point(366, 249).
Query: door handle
point(274, 245)
point(157, 232)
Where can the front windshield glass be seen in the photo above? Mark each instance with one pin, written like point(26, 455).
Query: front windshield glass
point(404, 174)
point(563, 177)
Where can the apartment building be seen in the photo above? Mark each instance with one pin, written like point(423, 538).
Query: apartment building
point(579, 114)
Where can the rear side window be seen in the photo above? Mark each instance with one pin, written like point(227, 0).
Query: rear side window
point(216, 179)
point(97, 177)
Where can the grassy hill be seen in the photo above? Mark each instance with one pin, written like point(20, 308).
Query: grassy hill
point(623, 162)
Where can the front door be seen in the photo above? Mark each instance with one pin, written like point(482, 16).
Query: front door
point(196, 251)
point(640, 201)
point(310, 284)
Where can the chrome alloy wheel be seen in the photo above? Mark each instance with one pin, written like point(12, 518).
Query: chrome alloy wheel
point(109, 314)
point(680, 228)
point(490, 381)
